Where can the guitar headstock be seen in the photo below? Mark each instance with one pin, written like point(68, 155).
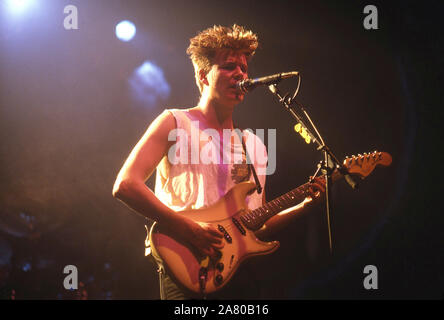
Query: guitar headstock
point(363, 165)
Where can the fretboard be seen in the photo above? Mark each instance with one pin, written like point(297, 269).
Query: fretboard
point(254, 219)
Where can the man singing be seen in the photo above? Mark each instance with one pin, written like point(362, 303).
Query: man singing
point(190, 174)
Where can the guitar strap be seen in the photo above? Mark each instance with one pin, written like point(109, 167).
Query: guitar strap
point(250, 164)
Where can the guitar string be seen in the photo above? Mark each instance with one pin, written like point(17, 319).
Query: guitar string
point(271, 205)
point(260, 215)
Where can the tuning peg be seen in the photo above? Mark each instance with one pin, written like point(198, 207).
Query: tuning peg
point(298, 128)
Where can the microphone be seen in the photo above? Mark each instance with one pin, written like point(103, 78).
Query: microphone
point(249, 84)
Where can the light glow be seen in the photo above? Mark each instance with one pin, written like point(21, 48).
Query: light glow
point(18, 6)
point(148, 84)
point(125, 30)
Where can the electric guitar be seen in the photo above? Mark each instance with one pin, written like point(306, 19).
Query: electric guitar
point(200, 274)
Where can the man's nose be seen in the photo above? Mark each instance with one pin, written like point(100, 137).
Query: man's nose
point(239, 74)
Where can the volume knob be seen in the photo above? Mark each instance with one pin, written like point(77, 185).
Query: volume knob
point(219, 279)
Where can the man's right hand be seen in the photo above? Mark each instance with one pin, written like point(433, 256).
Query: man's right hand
point(203, 236)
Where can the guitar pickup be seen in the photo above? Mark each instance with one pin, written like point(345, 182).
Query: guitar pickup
point(239, 226)
point(226, 235)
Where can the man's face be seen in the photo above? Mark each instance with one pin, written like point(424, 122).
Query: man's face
point(229, 68)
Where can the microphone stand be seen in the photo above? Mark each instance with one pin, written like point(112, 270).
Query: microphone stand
point(330, 161)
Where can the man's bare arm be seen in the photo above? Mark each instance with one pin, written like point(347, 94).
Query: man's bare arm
point(130, 187)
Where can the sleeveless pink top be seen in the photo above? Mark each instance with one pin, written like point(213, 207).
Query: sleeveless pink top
point(202, 165)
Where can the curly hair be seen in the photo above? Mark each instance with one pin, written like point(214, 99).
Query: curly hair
point(205, 45)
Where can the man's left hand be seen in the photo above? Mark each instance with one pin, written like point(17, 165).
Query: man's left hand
point(317, 187)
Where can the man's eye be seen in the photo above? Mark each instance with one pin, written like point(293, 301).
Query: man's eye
point(233, 66)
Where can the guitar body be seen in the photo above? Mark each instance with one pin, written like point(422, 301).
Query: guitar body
point(183, 263)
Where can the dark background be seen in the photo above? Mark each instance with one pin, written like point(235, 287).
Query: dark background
point(68, 121)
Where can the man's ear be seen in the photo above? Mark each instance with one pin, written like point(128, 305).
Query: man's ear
point(203, 77)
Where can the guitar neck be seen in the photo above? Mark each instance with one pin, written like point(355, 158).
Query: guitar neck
point(361, 165)
point(255, 219)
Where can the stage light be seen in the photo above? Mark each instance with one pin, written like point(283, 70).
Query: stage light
point(125, 30)
point(17, 6)
point(26, 266)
